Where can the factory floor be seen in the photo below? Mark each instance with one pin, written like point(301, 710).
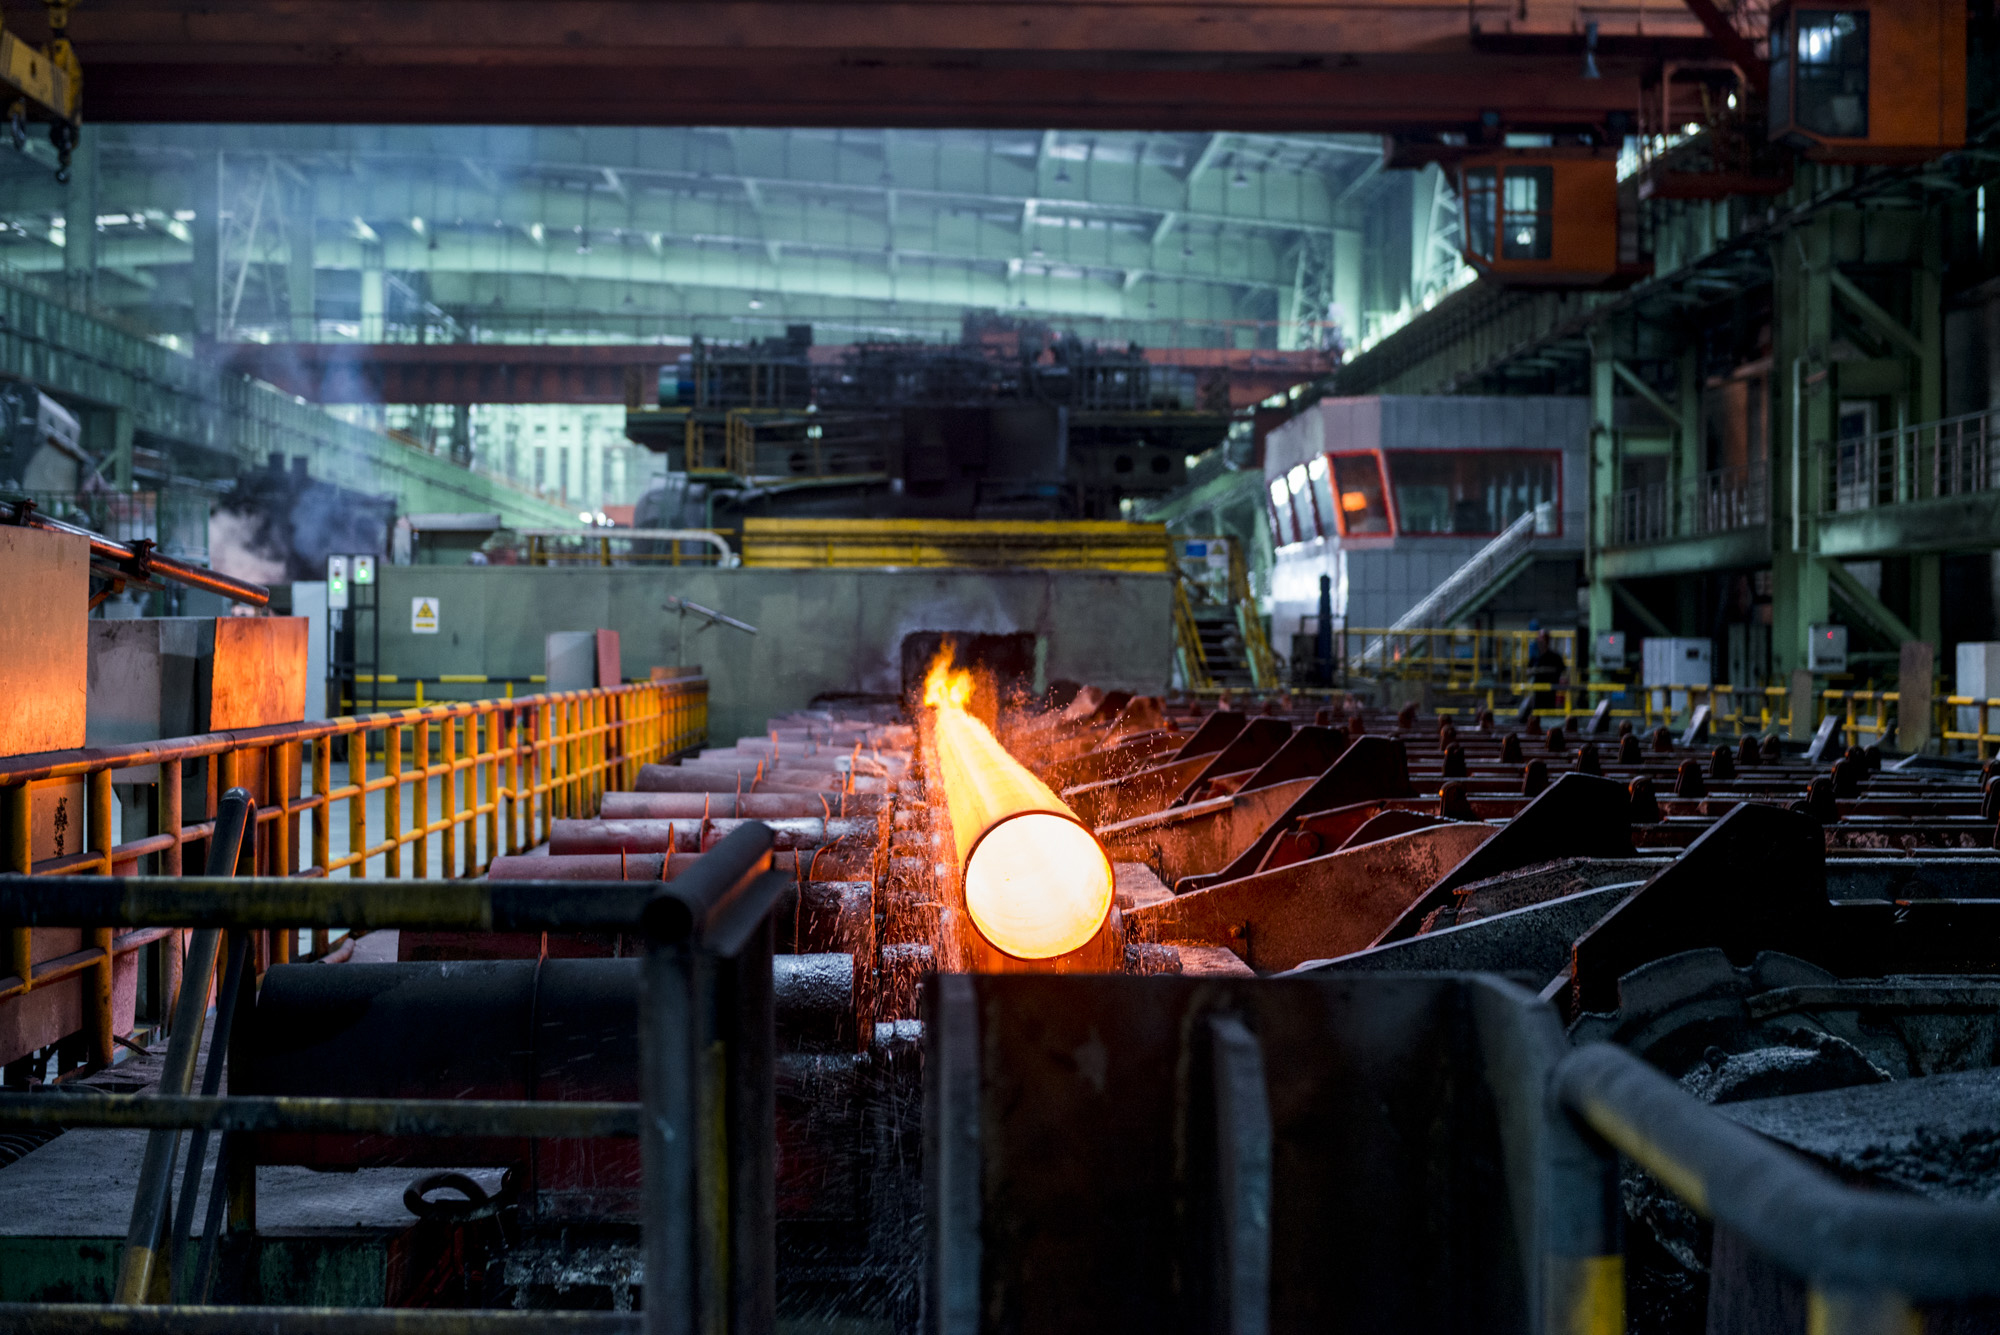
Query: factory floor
point(69, 1202)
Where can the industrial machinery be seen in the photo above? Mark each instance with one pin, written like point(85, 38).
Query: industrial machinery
point(1543, 216)
point(1466, 507)
point(1869, 81)
point(282, 524)
point(1010, 422)
point(1260, 1008)
point(46, 81)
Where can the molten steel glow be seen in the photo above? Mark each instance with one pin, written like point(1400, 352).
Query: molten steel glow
point(947, 686)
point(1037, 883)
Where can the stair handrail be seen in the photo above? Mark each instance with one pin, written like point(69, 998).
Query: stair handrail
point(1458, 588)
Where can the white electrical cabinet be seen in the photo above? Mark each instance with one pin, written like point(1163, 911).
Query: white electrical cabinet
point(1669, 662)
point(1978, 679)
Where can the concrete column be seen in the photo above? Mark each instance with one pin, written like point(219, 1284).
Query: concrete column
point(301, 291)
point(206, 234)
point(80, 221)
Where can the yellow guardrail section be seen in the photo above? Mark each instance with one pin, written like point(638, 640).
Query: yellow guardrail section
point(484, 777)
point(978, 544)
point(1455, 656)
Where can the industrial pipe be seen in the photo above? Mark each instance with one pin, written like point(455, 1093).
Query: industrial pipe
point(688, 833)
point(731, 805)
point(1037, 884)
point(139, 561)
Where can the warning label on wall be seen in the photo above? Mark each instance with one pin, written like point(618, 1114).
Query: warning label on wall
point(423, 616)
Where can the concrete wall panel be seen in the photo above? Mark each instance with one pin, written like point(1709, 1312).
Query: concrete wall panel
point(818, 630)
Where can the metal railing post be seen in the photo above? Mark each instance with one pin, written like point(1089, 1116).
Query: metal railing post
point(233, 818)
point(707, 1084)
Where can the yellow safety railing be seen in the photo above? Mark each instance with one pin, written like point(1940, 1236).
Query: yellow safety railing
point(1455, 658)
point(1736, 711)
point(1229, 586)
point(597, 549)
point(1193, 659)
point(483, 778)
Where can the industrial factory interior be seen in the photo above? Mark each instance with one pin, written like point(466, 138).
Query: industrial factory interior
point(1000, 667)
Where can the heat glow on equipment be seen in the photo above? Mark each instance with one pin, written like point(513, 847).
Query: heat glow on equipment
point(1037, 883)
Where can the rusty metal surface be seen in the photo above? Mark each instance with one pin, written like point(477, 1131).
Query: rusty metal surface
point(1202, 836)
point(259, 674)
point(1579, 816)
point(44, 585)
point(1090, 1130)
point(1314, 909)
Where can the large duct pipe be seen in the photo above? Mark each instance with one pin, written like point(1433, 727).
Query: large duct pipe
point(1037, 885)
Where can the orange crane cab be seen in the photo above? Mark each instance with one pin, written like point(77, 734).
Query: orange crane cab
point(1541, 216)
point(1869, 80)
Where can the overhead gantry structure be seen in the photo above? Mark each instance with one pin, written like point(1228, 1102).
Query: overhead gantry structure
point(1541, 65)
point(445, 234)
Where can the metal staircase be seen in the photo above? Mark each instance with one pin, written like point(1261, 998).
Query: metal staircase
point(1472, 583)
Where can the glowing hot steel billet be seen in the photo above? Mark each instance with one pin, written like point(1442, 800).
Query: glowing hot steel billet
point(1037, 883)
point(1038, 886)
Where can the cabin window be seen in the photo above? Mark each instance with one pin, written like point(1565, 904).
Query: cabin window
point(1321, 478)
point(1471, 493)
point(1284, 530)
point(1481, 202)
point(1300, 486)
point(1831, 75)
point(1527, 218)
point(1358, 492)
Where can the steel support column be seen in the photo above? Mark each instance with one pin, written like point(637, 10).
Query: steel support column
point(1803, 409)
point(1603, 487)
point(80, 222)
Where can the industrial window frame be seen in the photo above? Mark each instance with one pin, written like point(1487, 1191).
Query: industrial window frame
point(1828, 58)
point(1527, 213)
point(1551, 459)
point(1479, 200)
point(1495, 201)
point(1319, 480)
point(1284, 523)
point(1298, 480)
point(1344, 481)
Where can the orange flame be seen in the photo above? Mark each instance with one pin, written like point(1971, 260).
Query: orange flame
point(946, 687)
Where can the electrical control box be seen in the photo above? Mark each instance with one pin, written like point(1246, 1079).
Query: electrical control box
point(1671, 661)
point(1826, 648)
point(1607, 651)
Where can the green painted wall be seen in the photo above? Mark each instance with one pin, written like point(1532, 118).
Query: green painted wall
point(818, 630)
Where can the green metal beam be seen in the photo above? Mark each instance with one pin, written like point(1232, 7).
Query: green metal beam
point(1630, 601)
point(1649, 394)
point(1883, 322)
point(1856, 595)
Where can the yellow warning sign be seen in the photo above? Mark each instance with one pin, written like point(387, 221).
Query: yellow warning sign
point(423, 616)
